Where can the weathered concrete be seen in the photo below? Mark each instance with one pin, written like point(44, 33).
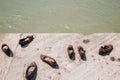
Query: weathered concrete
point(55, 45)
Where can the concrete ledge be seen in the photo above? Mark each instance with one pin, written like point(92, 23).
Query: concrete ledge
point(55, 45)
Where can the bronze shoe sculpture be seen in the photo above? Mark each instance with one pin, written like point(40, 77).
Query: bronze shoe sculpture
point(31, 71)
point(81, 52)
point(106, 49)
point(70, 52)
point(5, 48)
point(48, 60)
point(25, 41)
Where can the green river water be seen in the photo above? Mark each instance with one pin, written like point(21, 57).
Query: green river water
point(56, 16)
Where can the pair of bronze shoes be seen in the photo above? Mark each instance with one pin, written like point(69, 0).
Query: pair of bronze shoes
point(106, 49)
point(32, 68)
point(5, 48)
point(26, 40)
point(71, 52)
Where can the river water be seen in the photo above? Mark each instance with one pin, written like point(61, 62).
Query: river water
point(79, 16)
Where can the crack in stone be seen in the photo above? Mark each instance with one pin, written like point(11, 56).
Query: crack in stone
point(12, 59)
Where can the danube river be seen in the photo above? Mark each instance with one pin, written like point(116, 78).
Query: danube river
point(56, 16)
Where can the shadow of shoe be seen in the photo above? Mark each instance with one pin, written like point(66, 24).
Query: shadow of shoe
point(72, 57)
point(56, 66)
point(107, 53)
point(84, 57)
point(35, 75)
point(10, 54)
point(24, 46)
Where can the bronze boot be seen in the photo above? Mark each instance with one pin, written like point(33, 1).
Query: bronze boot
point(5, 48)
point(81, 52)
point(106, 49)
point(48, 60)
point(31, 71)
point(70, 52)
point(25, 41)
